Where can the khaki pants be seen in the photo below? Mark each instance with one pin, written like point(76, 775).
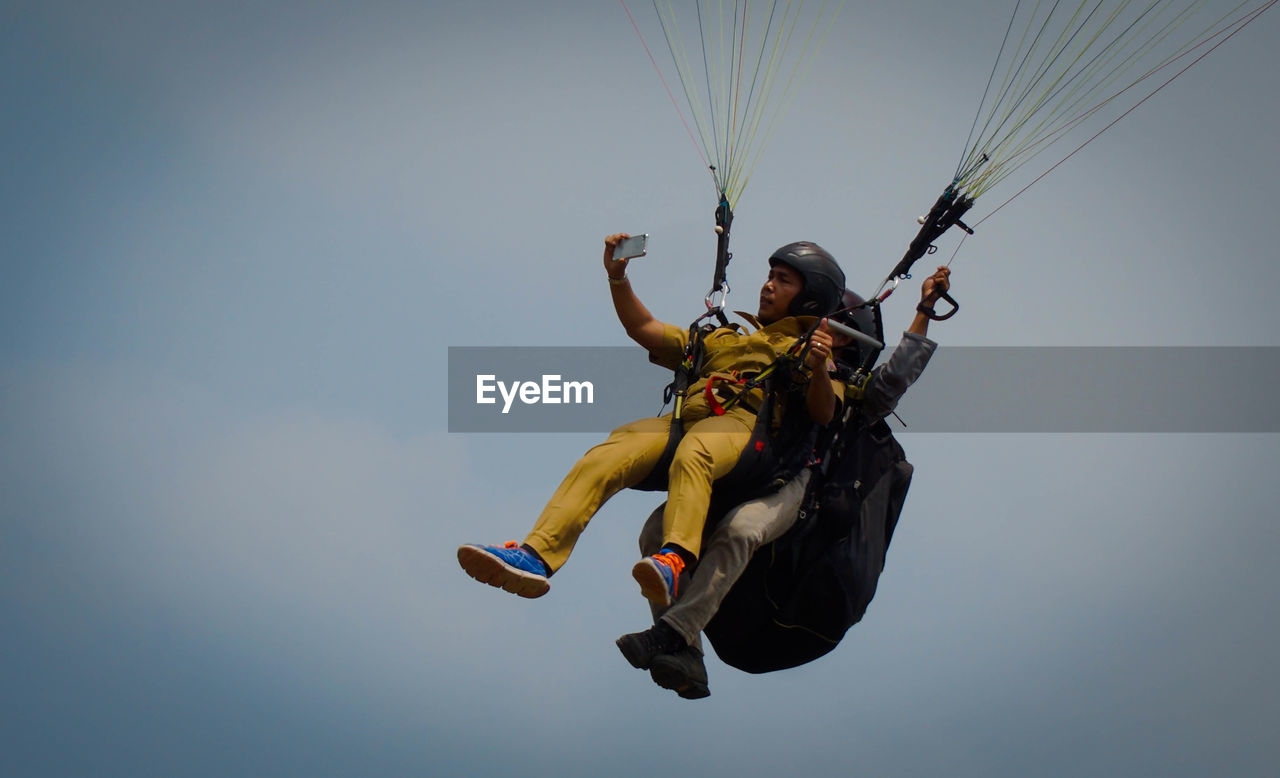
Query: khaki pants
point(709, 449)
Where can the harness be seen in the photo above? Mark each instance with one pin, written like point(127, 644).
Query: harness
point(756, 470)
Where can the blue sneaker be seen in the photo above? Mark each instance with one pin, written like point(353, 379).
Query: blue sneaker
point(507, 567)
point(659, 576)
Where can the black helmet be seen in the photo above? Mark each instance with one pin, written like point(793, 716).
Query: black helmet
point(861, 319)
point(823, 278)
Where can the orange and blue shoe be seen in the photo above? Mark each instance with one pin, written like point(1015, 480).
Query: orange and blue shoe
point(659, 577)
point(508, 567)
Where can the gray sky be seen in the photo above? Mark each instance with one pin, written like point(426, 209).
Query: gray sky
point(238, 240)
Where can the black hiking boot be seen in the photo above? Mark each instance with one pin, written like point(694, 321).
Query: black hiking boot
point(641, 647)
point(681, 671)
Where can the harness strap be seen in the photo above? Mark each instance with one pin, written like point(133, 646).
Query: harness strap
point(719, 281)
point(709, 394)
point(713, 402)
point(689, 367)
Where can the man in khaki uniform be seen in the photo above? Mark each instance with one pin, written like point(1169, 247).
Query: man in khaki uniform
point(804, 281)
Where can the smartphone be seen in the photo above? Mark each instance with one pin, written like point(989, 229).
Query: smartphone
point(635, 246)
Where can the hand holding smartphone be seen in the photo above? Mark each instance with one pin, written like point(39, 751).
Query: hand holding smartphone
point(635, 246)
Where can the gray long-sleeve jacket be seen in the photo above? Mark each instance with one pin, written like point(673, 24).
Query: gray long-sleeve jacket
point(890, 380)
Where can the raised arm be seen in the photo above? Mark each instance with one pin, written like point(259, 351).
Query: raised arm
point(641, 326)
point(892, 379)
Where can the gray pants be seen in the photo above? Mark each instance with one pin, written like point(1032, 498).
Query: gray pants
point(724, 555)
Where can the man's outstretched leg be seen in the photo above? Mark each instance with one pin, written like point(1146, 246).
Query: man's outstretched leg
point(622, 460)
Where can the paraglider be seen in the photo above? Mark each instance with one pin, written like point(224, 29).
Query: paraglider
point(1058, 69)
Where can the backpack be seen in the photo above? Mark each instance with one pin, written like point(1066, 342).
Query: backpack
point(800, 594)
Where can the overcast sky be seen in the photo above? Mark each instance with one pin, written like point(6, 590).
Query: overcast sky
point(238, 238)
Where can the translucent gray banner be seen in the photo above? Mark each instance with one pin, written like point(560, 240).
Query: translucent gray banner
point(964, 389)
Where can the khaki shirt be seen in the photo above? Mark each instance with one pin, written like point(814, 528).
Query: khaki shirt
point(732, 354)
